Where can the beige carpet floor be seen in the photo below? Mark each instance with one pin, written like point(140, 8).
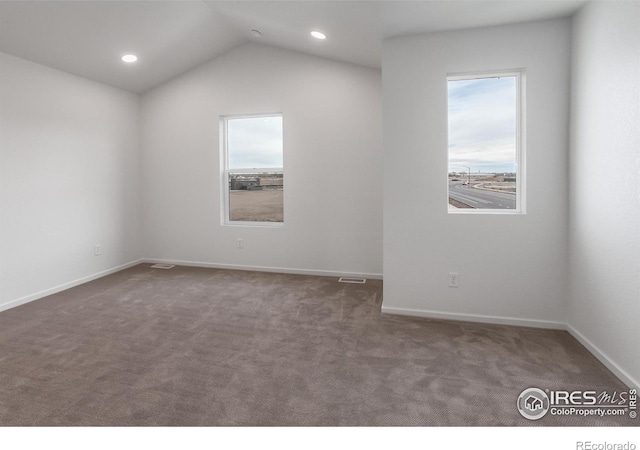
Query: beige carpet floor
point(191, 346)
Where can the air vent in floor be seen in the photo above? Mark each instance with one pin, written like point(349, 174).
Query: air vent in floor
point(163, 266)
point(352, 280)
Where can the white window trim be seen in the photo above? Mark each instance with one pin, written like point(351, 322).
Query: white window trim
point(521, 172)
point(225, 171)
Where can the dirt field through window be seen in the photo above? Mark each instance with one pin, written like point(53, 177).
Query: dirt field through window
point(256, 206)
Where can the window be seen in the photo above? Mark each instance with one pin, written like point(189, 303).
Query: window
point(253, 179)
point(485, 173)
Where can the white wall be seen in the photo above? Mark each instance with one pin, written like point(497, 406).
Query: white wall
point(604, 309)
point(69, 172)
point(512, 267)
point(332, 155)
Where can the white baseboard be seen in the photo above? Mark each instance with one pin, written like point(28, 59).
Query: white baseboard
point(593, 349)
point(95, 276)
point(599, 354)
point(321, 273)
point(474, 318)
point(603, 358)
point(64, 286)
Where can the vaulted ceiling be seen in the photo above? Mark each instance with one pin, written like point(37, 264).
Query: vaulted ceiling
point(87, 38)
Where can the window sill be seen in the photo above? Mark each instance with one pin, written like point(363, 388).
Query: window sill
point(254, 224)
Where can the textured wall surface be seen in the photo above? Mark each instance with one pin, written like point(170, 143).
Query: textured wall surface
point(512, 267)
point(605, 183)
point(332, 116)
point(69, 178)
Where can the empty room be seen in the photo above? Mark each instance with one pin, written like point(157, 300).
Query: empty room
point(368, 213)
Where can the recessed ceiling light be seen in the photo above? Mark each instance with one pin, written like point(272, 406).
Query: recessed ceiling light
point(318, 35)
point(256, 33)
point(129, 58)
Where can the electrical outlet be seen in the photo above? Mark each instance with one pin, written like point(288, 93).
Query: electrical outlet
point(97, 250)
point(240, 243)
point(454, 279)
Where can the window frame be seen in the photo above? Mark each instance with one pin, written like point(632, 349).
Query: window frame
point(225, 172)
point(520, 139)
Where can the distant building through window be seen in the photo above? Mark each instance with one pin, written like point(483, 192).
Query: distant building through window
point(485, 143)
point(253, 178)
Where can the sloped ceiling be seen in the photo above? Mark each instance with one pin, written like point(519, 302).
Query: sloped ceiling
point(87, 38)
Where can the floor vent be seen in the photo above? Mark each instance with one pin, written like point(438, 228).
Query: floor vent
point(352, 280)
point(163, 266)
